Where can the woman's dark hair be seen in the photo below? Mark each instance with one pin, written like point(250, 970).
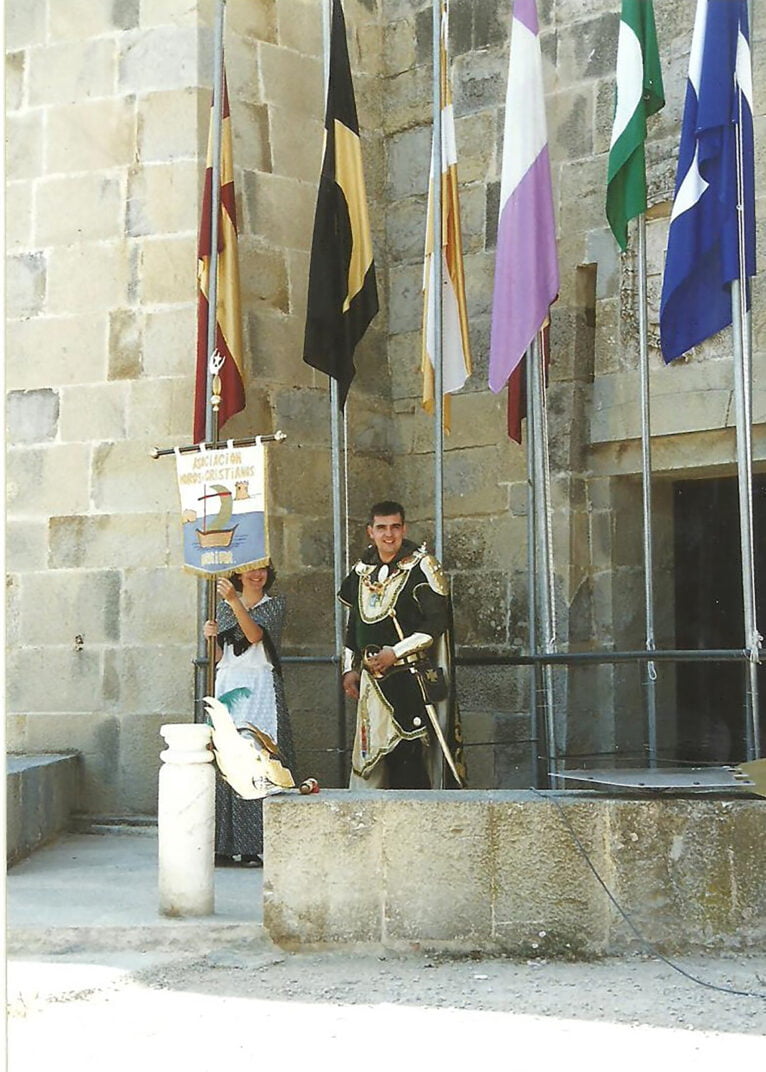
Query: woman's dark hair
point(271, 576)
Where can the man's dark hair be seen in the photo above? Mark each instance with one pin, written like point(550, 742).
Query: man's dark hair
point(386, 508)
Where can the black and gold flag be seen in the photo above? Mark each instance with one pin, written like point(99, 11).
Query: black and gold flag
point(342, 293)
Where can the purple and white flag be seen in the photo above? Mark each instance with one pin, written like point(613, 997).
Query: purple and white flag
point(526, 265)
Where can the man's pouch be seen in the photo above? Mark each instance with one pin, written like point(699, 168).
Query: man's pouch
point(434, 682)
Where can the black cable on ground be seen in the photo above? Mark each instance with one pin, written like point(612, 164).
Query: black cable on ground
point(644, 941)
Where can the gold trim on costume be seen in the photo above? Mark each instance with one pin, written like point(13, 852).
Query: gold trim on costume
point(432, 568)
point(378, 598)
point(377, 731)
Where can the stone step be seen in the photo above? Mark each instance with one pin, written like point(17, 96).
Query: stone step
point(196, 937)
point(41, 794)
point(85, 893)
point(113, 824)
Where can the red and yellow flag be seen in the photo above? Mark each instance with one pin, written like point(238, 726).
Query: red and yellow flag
point(456, 352)
point(228, 328)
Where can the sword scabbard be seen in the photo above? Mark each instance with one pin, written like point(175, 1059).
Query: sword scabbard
point(433, 717)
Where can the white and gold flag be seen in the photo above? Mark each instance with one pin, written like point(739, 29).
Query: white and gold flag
point(456, 353)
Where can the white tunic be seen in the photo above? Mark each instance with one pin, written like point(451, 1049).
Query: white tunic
point(250, 670)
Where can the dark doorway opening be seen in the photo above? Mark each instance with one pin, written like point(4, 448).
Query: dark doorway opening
point(708, 614)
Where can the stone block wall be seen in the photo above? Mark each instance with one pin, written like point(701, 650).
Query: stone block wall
point(100, 321)
point(108, 113)
point(510, 873)
point(593, 402)
point(107, 123)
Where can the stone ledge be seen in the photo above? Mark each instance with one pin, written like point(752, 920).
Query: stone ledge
point(500, 872)
point(197, 937)
point(114, 824)
point(41, 794)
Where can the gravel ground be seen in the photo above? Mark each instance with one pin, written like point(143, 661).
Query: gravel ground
point(341, 1010)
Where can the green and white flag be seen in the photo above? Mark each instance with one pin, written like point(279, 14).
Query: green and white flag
point(639, 95)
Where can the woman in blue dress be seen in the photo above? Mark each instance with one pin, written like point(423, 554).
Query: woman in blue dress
point(248, 631)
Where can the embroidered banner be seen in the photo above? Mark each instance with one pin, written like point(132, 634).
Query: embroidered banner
point(223, 509)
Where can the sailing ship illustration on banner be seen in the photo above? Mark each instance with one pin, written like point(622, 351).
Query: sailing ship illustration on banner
point(215, 533)
point(223, 509)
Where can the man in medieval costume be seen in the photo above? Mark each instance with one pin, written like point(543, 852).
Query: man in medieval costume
point(396, 662)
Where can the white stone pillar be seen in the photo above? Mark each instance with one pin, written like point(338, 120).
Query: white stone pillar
point(186, 821)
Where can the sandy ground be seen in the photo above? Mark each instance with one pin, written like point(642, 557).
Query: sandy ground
point(253, 1006)
point(342, 1011)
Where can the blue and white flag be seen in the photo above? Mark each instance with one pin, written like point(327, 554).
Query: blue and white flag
point(223, 509)
point(713, 177)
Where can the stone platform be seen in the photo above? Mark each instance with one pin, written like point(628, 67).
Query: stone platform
point(513, 872)
point(41, 794)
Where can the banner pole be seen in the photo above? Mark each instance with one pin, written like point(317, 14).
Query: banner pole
point(204, 663)
point(211, 431)
point(246, 441)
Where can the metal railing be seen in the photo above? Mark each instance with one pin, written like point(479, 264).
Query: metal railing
point(478, 659)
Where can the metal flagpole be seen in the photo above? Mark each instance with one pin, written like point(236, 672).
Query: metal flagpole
point(211, 417)
point(532, 582)
point(646, 483)
point(543, 541)
point(743, 411)
point(437, 285)
point(743, 380)
point(549, 615)
point(345, 504)
point(204, 663)
point(336, 461)
point(337, 564)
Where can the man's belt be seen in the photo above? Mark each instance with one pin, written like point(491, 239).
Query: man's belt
point(420, 663)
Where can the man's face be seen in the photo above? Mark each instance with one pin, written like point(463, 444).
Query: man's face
point(387, 534)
